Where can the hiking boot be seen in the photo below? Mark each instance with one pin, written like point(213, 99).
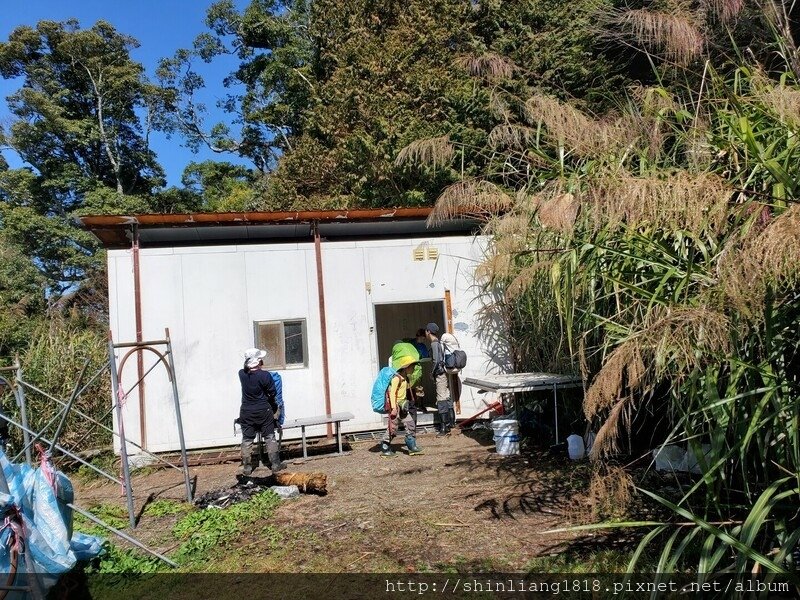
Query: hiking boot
point(274, 454)
point(386, 450)
point(247, 458)
point(442, 433)
point(411, 444)
point(275, 463)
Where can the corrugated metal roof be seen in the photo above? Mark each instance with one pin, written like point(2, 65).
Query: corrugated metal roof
point(115, 231)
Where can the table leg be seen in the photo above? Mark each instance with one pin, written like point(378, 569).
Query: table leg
point(303, 433)
point(555, 409)
point(339, 435)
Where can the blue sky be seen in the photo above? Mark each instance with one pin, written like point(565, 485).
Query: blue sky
point(161, 26)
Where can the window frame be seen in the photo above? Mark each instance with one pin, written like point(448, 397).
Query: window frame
point(283, 365)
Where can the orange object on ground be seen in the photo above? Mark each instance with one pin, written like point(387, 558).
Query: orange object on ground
point(497, 405)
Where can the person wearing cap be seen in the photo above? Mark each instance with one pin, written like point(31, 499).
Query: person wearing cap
point(400, 408)
point(444, 403)
point(420, 344)
point(257, 413)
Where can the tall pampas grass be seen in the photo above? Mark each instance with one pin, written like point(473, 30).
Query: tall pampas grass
point(777, 248)
point(758, 260)
point(496, 267)
point(779, 98)
point(694, 202)
point(517, 137)
point(512, 223)
point(675, 35)
point(491, 66)
point(672, 342)
point(526, 278)
point(569, 127)
point(623, 370)
point(472, 197)
point(725, 11)
point(559, 213)
point(435, 152)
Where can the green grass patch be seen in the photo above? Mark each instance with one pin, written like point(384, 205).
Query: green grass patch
point(124, 561)
point(601, 561)
point(114, 515)
point(125, 573)
point(107, 461)
point(203, 530)
point(164, 507)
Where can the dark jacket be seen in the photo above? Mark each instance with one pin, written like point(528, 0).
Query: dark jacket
point(437, 356)
point(258, 396)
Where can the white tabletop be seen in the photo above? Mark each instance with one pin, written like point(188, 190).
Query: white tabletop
point(522, 382)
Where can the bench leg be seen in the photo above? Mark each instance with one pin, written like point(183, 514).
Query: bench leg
point(339, 435)
point(303, 432)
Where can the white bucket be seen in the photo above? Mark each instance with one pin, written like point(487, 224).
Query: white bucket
point(506, 436)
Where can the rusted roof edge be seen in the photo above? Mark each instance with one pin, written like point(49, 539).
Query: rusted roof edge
point(92, 222)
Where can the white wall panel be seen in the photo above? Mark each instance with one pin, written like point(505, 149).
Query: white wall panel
point(209, 298)
point(350, 360)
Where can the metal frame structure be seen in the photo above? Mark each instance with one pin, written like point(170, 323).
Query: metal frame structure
point(166, 359)
point(510, 384)
point(18, 386)
point(33, 587)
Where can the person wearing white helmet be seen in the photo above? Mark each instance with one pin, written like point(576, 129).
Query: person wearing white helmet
point(257, 413)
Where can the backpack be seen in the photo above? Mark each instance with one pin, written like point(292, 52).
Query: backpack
point(455, 358)
point(405, 349)
point(276, 379)
point(379, 389)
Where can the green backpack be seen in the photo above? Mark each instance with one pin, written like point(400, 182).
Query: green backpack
point(405, 349)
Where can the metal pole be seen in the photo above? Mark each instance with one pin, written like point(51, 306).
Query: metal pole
point(5, 385)
point(91, 379)
point(23, 413)
point(126, 471)
point(121, 534)
point(3, 483)
point(141, 379)
point(174, 379)
point(323, 326)
point(37, 436)
point(137, 306)
point(555, 409)
point(62, 450)
point(33, 581)
point(71, 401)
point(140, 344)
point(96, 422)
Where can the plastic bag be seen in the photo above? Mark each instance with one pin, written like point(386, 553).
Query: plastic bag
point(41, 498)
point(85, 547)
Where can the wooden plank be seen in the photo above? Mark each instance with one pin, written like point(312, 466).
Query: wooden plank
point(448, 308)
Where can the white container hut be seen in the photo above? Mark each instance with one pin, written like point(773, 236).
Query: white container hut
point(325, 293)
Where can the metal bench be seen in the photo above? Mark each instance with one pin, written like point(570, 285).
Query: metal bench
point(336, 418)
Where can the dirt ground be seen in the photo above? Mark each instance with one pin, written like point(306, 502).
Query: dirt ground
point(458, 506)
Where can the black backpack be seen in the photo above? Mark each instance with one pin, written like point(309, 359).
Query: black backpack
point(454, 359)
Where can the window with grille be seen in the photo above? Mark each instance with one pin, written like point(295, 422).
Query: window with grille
point(285, 343)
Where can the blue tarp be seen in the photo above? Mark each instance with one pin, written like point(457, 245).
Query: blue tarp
point(36, 509)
